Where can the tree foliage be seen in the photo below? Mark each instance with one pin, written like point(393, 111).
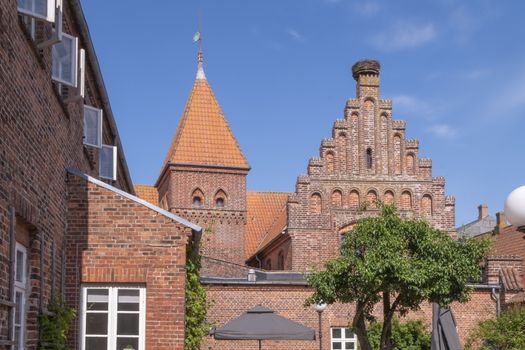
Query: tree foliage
point(410, 335)
point(401, 263)
point(197, 326)
point(507, 332)
point(55, 325)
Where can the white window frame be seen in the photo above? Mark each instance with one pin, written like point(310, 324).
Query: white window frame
point(99, 131)
point(343, 340)
point(113, 313)
point(74, 63)
point(50, 11)
point(114, 150)
point(20, 287)
point(57, 27)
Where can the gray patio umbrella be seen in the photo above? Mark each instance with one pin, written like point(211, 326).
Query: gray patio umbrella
point(444, 333)
point(261, 323)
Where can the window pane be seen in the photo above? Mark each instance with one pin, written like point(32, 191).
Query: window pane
point(106, 161)
point(18, 308)
point(349, 345)
point(36, 7)
point(348, 333)
point(97, 299)
point(128, 299)
point(336, 333)
point(337, 345)
point(64, 69)
point(98, 343)
point(97, 323)
point(128, 324)
point(18, 333)
point(92, 126)
point(19, 275)
point(127, 344)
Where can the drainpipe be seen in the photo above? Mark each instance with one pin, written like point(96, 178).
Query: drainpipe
point(494, 296)
point(258, 260)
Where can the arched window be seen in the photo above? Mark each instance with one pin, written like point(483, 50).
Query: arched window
point(426, 206)
point(406, 200)
point(316, 203)
point(280, 261)
point(397, 154)
point(269, 264)
point(337, 199)
point(330, 165)
point(371, 198)
point(369, 158)
point(197, 198)
point(220, 199)
point(353, 199)
point(388, 198)
point(410, 164)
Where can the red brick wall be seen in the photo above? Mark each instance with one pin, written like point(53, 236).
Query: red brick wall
point(230, 301)
point(112, 240)
point(223, 237)
point(40, 136)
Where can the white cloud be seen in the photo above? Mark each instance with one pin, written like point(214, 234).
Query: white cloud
point(367, 7)
point(296, 36)
point(414, 106)
point(442, 130)
point(404, 35)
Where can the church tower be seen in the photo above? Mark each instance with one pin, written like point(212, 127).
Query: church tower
point(203, 178)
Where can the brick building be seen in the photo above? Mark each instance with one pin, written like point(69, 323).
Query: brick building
point(70, 225)
point(282, 235)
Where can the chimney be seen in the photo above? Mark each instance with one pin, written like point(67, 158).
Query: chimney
point(366, 74)
point(483, 210)
point(501, 220)
point(251, 275)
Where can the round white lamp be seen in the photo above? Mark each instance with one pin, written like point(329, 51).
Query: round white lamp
point(515, 208)
point(320, 307)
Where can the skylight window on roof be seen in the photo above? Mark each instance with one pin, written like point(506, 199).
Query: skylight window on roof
point(92, 126)
point(65, 60)
point(41, 9)
point(108, 162)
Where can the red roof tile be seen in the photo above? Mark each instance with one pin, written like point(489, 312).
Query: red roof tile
point(264, 216)
point(203, 136)
point(148, 193)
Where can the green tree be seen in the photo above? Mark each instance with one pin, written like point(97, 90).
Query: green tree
point(196, 326)
point(410, 335)
point(401, 263)
point(55, 324)
point(507, 332)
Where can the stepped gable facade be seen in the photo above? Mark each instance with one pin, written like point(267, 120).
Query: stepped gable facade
point(368, 158)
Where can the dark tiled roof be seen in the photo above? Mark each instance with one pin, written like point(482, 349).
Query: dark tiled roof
point(477, 227)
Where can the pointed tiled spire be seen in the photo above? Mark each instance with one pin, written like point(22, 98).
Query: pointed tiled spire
point(203, 136)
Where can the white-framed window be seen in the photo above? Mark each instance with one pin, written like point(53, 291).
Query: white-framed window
point(65, 60)
point(342, 338)
point(113, 317)
point(108, 162)
point(19, 317)
point(92, 126)
point(41, 9)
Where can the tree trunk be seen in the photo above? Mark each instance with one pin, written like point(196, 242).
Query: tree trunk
point(359, 327)
point(386, 332)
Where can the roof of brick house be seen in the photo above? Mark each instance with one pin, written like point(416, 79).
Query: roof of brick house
point(265, 212)
point(148, 193)
point(203, 135)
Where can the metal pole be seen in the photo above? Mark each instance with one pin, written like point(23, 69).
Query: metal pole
point(260, 345)
point(320, 330)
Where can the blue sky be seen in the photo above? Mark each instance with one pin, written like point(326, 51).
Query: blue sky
point(455, 71)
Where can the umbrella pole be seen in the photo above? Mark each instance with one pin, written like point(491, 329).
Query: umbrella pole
point(260, 344)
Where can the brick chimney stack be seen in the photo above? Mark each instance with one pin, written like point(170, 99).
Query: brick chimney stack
point(366, 74)
point(483, 210)
point(501, 220)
